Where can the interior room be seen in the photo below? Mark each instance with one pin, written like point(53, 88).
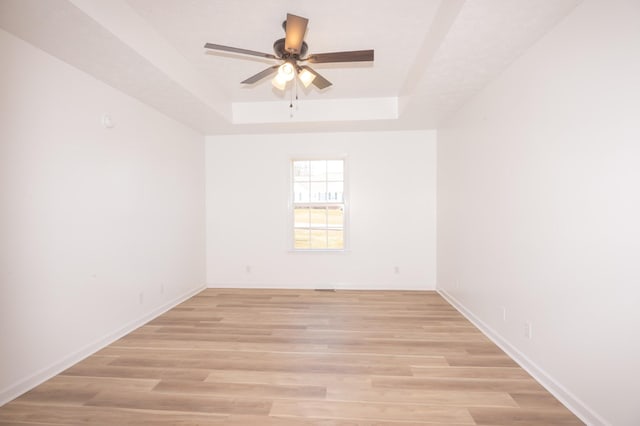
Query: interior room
point(479, 172)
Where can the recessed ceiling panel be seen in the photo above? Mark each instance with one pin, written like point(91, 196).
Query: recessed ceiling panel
point(395, 30)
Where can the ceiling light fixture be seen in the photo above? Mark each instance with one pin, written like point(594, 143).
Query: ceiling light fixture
point(287, 72)
point(306, 77)
point(279, 82)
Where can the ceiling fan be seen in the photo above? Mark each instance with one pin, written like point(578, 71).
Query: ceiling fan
point(291, 50)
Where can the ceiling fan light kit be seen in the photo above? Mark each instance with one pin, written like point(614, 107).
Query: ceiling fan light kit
point(291, 50)
point(287, 72)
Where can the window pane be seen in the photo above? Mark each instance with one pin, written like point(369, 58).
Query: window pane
point(318, 239)
point(335, 218)
point(301, 217)
point(318, 209)
point(300, 171)
point(301, 239)
point(318, 170)
point(334, 191)
point(318, 192)
point(335, 239)
point(300, 192)
point(335, 170)
point(318, 217)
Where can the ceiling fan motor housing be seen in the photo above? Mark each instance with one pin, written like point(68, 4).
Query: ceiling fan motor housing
point(278, 48)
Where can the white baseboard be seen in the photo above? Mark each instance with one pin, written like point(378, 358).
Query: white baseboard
point(24, 385)
point(572, 402)
point(334, 286)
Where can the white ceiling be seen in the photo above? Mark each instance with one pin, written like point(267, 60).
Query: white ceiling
point(431, 56)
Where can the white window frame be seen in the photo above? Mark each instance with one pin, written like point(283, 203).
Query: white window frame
point(344, 204)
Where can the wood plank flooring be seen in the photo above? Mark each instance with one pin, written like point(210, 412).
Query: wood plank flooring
point(296, 357)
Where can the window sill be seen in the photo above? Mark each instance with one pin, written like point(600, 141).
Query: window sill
point(318, 251)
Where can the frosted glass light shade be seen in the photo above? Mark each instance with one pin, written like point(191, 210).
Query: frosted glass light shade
point(279, 82)
point(306, 77)
point(286, 71)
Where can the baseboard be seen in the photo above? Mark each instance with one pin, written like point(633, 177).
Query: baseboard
point(333, 286)
point(572, 402)
point(14, 391)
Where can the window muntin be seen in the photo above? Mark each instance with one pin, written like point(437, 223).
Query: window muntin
point(318, 204)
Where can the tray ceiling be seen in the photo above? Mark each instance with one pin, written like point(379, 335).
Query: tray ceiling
point(431, 56)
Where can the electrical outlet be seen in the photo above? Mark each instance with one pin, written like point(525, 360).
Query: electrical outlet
point(528, 330)
point(141, 298)
point(503, 312)
point(247, 269)
point(396, 269)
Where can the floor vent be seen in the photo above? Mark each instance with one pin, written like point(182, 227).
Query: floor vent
point(324, 289)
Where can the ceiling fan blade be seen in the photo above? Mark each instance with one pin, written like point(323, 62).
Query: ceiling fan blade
point(262, 74)
point(238, 50)
point(351, 56)
point(320, 82)
point(295, 29)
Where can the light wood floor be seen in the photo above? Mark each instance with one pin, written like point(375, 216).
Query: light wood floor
point(294, 357)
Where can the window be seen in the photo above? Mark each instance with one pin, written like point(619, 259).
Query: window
point(318, 204)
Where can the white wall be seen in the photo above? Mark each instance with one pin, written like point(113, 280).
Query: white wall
point(90, 218)
point(539, 207)
point(391, 180)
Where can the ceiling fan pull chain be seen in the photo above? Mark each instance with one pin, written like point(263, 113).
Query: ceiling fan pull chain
point(291, 105)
